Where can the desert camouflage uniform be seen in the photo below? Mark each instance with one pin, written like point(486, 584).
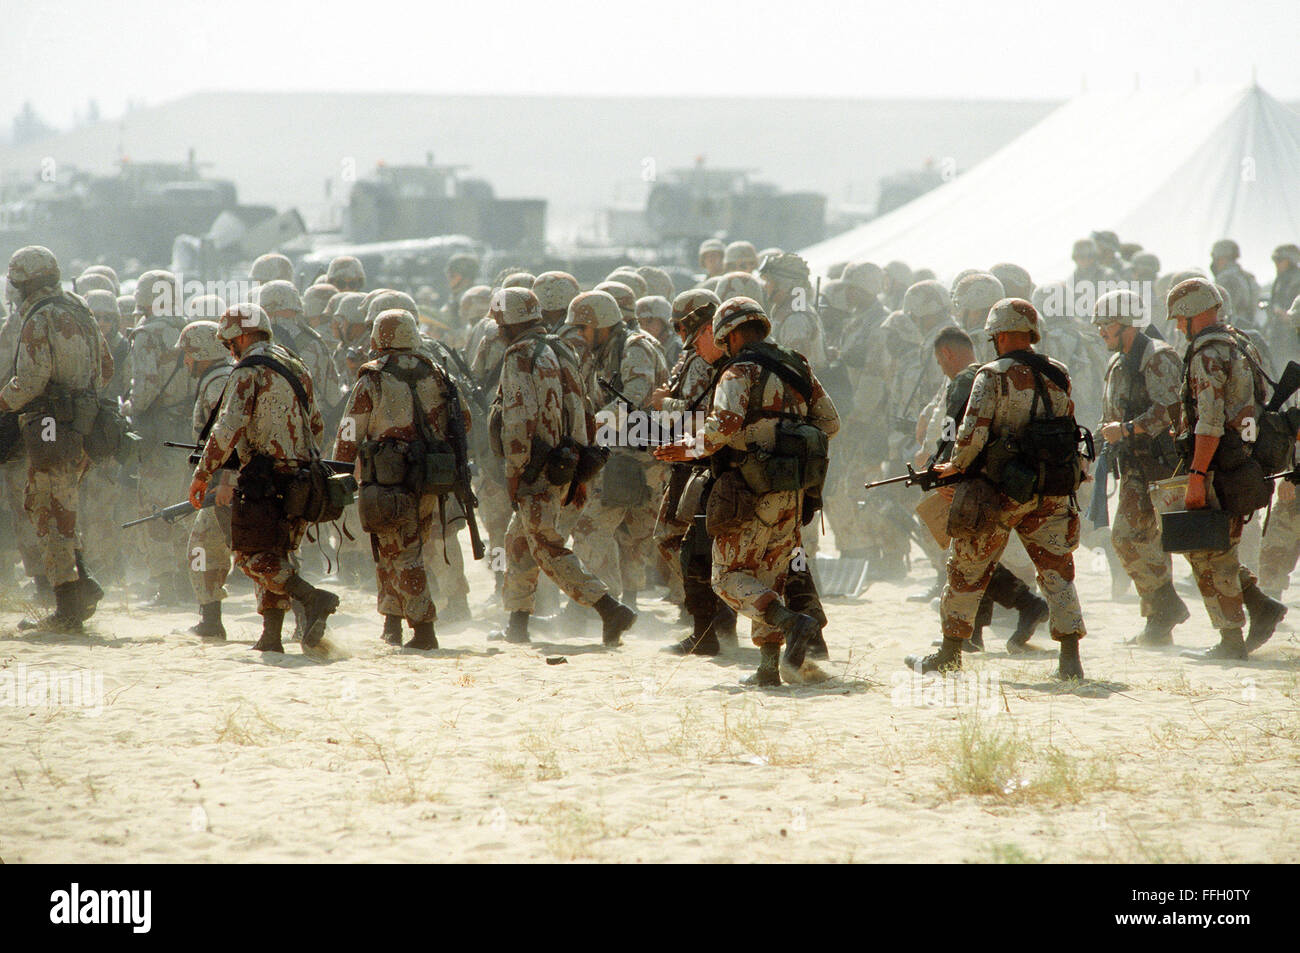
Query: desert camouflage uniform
point(261, 415)
point(800, 330)
point(307, 344)
point(380, 408)
point(1220, 388)
point(59, 343)
point(161, 399)
point(493, 497)
point(105, 502)
point(209, 543)
point(1000, 403)
point(751, 564)
point(1243, 293)
point(541, 396)
point(14, 473)
point(688, 381)
point(614, 542)
point(1149, 403)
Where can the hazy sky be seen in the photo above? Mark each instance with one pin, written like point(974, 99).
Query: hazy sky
point(60, 53)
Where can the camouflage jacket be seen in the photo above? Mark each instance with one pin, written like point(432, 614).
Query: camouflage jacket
point(956, 397)
point(735, 422)
point(159, 382)
point(57, 343)
point(306, 343)
point(540, 394)
point(688, 380)
point(633, 362)
point(1243, 293)
point(1001, 402)
point(1219, 388)
point(380, 406)
point(260, 414)
point(800, 331)
point(1081, 350)
point(486, 325)
point(211, 386)
point(860, 329)
point(1150, 398)
point(485, 363)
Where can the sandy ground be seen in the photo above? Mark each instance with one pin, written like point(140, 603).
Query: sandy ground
point(481, 751)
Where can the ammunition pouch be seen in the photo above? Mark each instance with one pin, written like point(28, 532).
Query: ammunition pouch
point(796, 462)
point(536, 466)
point(731, 504)
point(1239, 481)
point(623, 481)
point(562, 462)
point(383, 509)
point(257, 519)
point(1275, 438)
point(495, 423)
point(50, 435)
point(1154, 457)
point(414, 465)
point(314, 494)
point(109, 433)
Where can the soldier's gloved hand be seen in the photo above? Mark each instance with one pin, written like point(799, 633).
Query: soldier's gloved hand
point(1112, 432)
point(657, 397)
point(198, 489)
point(225, 495)
point(1194, 498)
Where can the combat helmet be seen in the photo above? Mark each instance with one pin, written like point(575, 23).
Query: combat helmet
point(394, 329)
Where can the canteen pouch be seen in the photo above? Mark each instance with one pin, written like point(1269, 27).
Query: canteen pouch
point(439, 470)
point(591, 460)
point(314, 494)
point(562, 463)
point(974, 510)
point(731, 504)
point(808, 446)
point(1239, 480)
point(623, 481)
point(691, 503)
point(108, 432)
point(385, 508)
point(1019, 480)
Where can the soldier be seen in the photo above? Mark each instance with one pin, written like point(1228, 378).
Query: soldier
point(613, 534)
point(269, 420)
point(711, 256)
point(271, 267)
point(94, 281)
point(1286, 286)
point(474, 305)
point(1015, 280)
point(540, 403)
point(208, 362)
point(632, 278)
point(898, 278)
point(972, 297)
point(284, 306)
point(954, 351)
point(1239, 283)
point(1007, 398)
point(314, 302)
point(554, 290)
point(1108, 251)
point(159, 403)
point(1139, 400)
point(400, 397)
point(1088, 271)
point(346, 273)
point(1220, 397)
point(1281, 544)
point(739, 284)
point(795, 325)
point(61, 359)
point(461, 272)
point(654, 315)
point(755, 534)
point(681, 398)
point(657, 281)
point(349, 323)
point(740, 256)
point(624, 295)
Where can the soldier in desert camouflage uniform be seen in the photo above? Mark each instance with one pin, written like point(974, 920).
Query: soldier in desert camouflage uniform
point(613, 534)
point(13, 476)
point(59, 352)
point(1139, 400)
point(271, 431)
point(1281, 544)
point(1240, 284)
point(382, 408)
point(348, 317)
point(346, 273)
point(315, 301)
point(283, 305)
point(540, 402)
point(1005, 396)
point(159, 403)
point(270, 267)
point(756, 535)
point(795, 324)
point(680, 399)
point(740, 256)
point(208, 361)
point(1221, 396)
point(711, 255)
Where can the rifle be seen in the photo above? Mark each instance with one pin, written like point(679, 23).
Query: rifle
point(464, 490)
point(196, 453)
point(477, 395)
point(170, 514)
point(633, 408)
point(926, 479)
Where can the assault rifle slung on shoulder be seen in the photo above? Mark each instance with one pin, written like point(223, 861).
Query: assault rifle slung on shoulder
point(927, 479)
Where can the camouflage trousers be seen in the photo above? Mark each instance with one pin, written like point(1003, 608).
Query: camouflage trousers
point(534, 543)
point(751, 564)
point(1135, 534)
point(669, 532)
point(614, 542)
point(1281, 547)
point(1049, 528)
point(164, 479)
point(271, 572)
point(493, 509)
point(51, 504)
point(400, 573)
point(444, 561)
point(856, 530)
point(100, 515)
point(210, 556)
point(1220, 577)
point(24, 533)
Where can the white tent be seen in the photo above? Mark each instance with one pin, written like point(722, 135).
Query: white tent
point(1172, 170)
